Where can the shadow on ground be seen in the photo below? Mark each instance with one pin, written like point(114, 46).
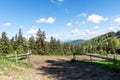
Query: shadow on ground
point(65, 70)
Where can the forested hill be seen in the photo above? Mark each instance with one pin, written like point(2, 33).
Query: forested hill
point(76, 42)
point(107, 43)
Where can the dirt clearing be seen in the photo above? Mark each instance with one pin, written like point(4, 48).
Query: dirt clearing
point(60, 68)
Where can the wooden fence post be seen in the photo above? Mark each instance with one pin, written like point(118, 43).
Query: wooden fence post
point(28, 57)
point(16, 56)
point(114, 61)
point(74, 56)
point(90, 58)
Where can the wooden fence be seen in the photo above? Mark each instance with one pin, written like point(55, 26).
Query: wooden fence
point(91, 55)
point(20, 56)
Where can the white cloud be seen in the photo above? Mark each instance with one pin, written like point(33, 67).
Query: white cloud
point(82, 14)
point(57, 2)
point(97, 27)
point(94, 18)
point(114, 29)
point(77, 32)
point(7, 24)
point(117, 20)
point(69, 24)
point(91, 32)
point(33, 30)
point(83, 22)
point(60, 0)
point(46, 20)
point(61, 36)
point(80, 23)
point(57, 36)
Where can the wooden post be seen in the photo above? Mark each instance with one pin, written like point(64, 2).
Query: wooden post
point(28, 57)
point(74, 56)
point(16, 56)
point(114, 61)
point(107, 56)
point(90, 58)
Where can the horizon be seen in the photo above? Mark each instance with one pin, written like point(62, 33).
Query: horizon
point(62, 19)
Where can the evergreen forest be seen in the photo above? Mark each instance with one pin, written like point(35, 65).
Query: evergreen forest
point(108, 43)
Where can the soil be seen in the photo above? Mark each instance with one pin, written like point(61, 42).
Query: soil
point(61, 68)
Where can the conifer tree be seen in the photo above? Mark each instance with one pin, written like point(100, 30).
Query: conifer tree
point(5, 44)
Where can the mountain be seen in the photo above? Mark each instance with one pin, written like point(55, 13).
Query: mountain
point(76, 42)
point(106, 43)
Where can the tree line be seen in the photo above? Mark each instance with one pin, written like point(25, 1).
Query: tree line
point(36, 44)
point(105, 44)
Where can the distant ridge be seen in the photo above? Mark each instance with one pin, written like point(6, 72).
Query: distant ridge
point(75, 42)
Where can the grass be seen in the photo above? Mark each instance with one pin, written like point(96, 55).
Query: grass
point(109, 65)
point(105, 64)
point(6, 74)
point(9, 65)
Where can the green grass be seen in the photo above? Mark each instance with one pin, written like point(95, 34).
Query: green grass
point(106, 64)
point(109, 65)
point(6, 74)
point(13, 65)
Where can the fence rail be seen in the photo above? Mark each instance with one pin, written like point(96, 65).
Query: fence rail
point(114, 60)
point(19, 57)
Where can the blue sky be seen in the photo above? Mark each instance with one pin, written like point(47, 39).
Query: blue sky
point(62, 19)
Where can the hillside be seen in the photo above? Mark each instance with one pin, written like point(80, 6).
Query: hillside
point(106, 43)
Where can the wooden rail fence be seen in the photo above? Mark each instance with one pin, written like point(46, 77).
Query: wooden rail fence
point(114, 60)
point(19, 56)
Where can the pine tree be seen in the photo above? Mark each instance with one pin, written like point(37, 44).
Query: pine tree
point(5, 44)
point(20, 37)
point(40, 42)
point(20, 50)
point(32, 44)
point(21, 41)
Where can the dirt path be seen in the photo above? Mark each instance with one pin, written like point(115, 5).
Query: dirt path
point(43, 61)
point(60, 68)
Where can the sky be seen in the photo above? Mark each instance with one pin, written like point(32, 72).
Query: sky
point(62, 19)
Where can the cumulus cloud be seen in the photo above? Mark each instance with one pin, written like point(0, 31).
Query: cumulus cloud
point(69, 24)
point(117, 20)
point(46, 20)
point(114, 29)
point(7, 24)
point(77, 32)
point(94, 18)
point(33, 30)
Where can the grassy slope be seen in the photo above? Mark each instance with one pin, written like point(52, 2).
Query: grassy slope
point(8, 67)
point(106, 64)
